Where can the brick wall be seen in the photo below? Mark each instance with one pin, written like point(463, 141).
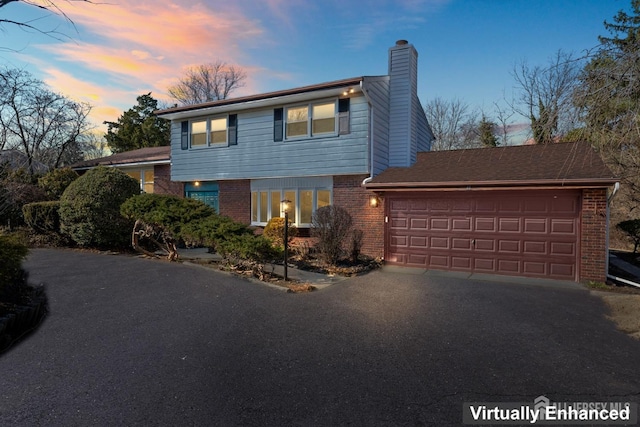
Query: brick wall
point(235, 199)
point(349, 194)
point(593, 235)
point(162, 183)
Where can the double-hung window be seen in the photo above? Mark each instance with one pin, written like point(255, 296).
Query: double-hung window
point(311, 120)
point(212, 132)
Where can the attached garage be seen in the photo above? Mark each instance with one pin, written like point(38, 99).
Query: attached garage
point(533, 233)
point(535, 211)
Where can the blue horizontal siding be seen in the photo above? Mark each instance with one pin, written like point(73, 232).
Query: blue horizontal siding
point(257, 156)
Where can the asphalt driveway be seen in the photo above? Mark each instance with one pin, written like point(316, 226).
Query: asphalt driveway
point(130, 341)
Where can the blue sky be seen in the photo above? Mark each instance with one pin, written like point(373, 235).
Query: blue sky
point(467, 48)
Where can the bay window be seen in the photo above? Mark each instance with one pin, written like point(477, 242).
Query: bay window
point(267, 204)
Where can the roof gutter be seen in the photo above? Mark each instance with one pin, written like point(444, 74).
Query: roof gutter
point(476, 185)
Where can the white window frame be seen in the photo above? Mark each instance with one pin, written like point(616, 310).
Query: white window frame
point(208, 143)
point(309, 106)
point(296, 208)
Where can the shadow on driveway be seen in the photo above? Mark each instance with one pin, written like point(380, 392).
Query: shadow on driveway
point(135, 341)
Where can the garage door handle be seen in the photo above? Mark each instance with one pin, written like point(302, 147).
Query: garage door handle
point(473, 242)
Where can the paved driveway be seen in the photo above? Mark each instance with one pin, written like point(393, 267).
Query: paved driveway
point(140, 342)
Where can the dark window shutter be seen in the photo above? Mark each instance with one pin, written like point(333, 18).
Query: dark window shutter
point(184, 135)
point(343, 116)
point(278, 125)
point(233, 129)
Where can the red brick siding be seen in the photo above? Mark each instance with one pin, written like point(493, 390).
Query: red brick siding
point(349, 194)
point(234, 197)
point(162, 183)
point(593, 234)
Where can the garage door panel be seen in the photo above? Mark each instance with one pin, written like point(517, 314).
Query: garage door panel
point(509, 246)
point(461, 224)
point(439, 243)
point(399, 223)
point(419, 223)
point(463, 243)
point(535, 248)
point(563, 248)
point(509, 225)
point(563, 226)
point(441, 224)
point(513, 233)
point(485, 245)
point(486, 225)
point(535, 225)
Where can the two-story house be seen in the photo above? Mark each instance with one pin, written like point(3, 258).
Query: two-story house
point(312, 145)
point(363, 144)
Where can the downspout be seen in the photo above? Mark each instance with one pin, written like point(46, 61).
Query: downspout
point(370, 136)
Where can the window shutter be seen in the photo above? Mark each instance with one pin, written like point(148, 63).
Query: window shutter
point(343, 116)
point(278, 125)
point(233, 129)
point(184, 135)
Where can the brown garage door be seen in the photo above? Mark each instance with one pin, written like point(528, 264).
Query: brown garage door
point(522, 233)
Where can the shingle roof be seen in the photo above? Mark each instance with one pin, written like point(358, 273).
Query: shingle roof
point(142, 155)
point(552, 164)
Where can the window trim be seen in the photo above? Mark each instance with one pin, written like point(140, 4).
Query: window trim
point(231, 131)
point(255, 196)
point(309, 106)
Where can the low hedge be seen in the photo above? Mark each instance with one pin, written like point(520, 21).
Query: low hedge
point(12, 253)
point(42, 217)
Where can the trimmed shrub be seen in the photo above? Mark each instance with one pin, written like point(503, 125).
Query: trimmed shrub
point(42, 217)
point(274, 231)
point(249, 247)
point(15, 192)
point(55, 182)
point(212, 230)
point(12, 253)
point(160, 219)
point(90, 208)
point(631, 228)
point(331, 225)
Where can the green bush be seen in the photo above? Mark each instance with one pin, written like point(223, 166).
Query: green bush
point(631, 228)
point(331, 225)
point(12, 253)
point(17, 190)
point(274, 231)
point(55, 182)
point(42, 217)
point(90, 208)
point(172, 213)
point(212, 230)
point(249, 247)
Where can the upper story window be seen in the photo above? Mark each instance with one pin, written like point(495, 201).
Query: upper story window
point(311, 120)
point(211, 132)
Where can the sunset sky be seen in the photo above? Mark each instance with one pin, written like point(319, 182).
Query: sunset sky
point(118, 50)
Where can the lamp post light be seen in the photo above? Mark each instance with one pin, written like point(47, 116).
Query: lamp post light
point(285, 208)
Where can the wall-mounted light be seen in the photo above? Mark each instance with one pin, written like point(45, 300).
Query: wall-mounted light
point(197, 183)
point(374, 201)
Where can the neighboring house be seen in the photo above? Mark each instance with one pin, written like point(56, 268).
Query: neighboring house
point(312, 145)
point(17, 160)
point(151, 166)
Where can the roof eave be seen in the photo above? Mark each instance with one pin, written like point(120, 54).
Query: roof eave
point(469, 185)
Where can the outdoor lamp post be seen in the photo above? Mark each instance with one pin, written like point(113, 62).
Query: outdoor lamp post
point(285, 208)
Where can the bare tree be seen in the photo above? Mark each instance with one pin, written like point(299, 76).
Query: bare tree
point(49, 6)
point(42, 124)
point(453, 124)
point(545, 96)
point(503, 115)
point(207, 82)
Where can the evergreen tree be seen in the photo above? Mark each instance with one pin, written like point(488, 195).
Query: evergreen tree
point(138, 127)
point(486, 131)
